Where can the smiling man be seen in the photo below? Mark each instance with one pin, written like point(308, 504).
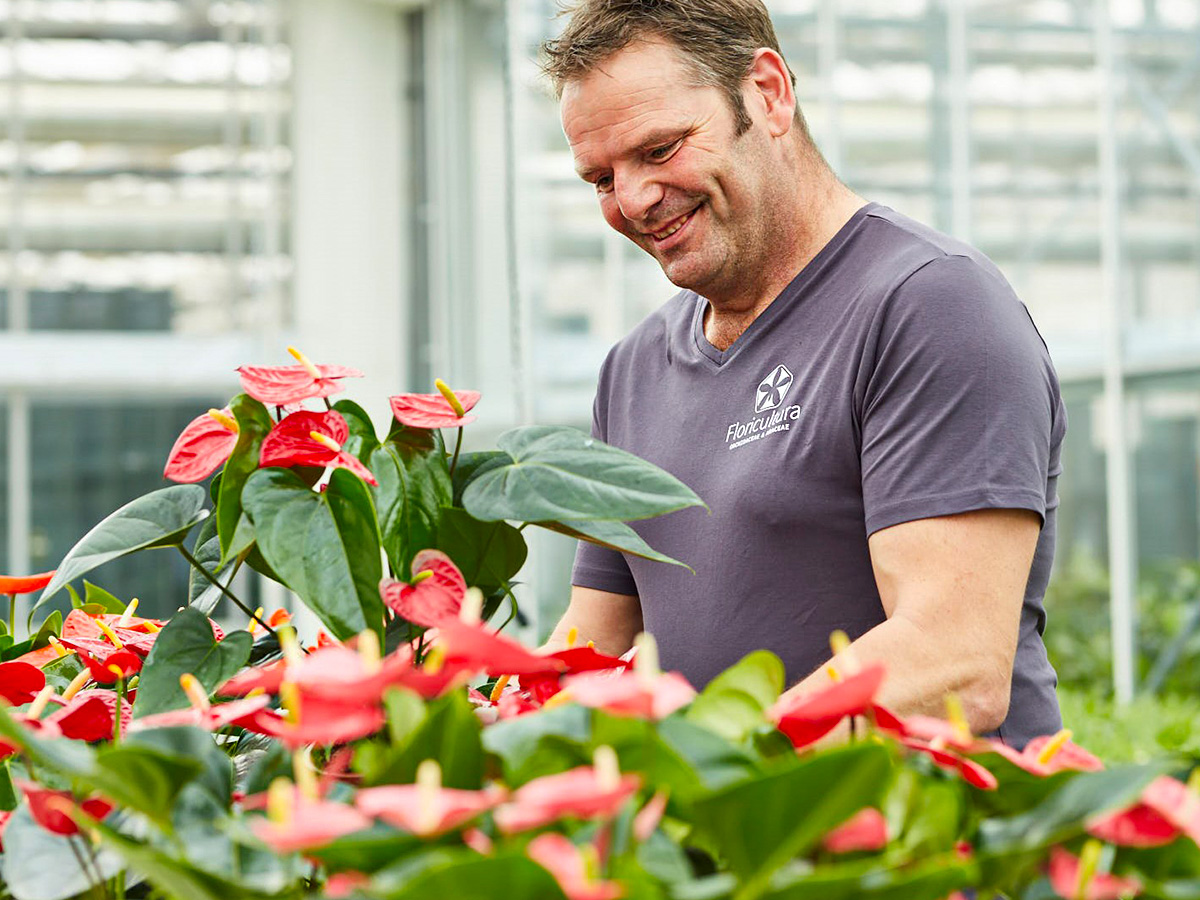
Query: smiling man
point(862, 401)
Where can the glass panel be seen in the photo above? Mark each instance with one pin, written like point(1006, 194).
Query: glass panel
point(90, 458)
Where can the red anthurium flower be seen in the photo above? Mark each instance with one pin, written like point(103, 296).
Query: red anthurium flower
point(5, 815)
point(430, 599)
point(586, 792)
point(1166, 809)
point(24, 584)
point(339, 674)
point(445, 409)
point(1066, 872)
point(31, 720)
point(281, 385)
point(212, 718)
point(426, 808)
point(79, 625)
point(474, 646)
point(631, 693)
point(562, 859)
point(343, 884)
point(20, 682)
point(203, 445)
point(312, 439)
point(1048, 754)
point(113, 666)
point(805, 718)
point(311, 720)
point(576, 659)
point(296, 822)
point(865, 830)
point(51, 809)
point(90, 716)
point(266, 678)
point(972, 772)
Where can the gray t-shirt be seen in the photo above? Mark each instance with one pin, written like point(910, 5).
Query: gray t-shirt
point(897, 377)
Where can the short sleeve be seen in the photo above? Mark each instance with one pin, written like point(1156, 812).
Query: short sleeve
point(598, 567)
point(958, 409)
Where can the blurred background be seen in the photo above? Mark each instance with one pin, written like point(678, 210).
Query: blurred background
point(191, 185)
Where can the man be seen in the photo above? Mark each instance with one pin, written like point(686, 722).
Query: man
point(863, 402)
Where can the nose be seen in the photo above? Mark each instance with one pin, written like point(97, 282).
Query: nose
point(637, 192)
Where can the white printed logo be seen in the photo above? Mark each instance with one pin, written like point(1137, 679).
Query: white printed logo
point(772, 389)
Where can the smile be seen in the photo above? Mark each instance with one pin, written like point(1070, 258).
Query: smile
point(674, 226)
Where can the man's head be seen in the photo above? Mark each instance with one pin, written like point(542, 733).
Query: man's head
point(682, 113)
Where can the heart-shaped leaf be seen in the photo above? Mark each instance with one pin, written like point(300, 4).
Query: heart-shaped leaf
point(159, 519)
point(187, 645)
point(323, 545)
point(487, 553)
point(40, 865)
point(254, 422)
point(614, 536)
point(560, 474)
point(414, 484)
point(735, 702)
point(362, 441)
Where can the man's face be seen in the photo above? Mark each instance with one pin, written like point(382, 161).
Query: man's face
point(670, 171)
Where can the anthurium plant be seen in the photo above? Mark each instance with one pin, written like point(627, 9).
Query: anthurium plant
point(411, 749)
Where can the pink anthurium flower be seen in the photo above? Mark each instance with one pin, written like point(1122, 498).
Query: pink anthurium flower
point(339, 674)
point(201, 713)
point(650, 815)
point(645, 692)
point(1048, 754)
point(805, 718)
point(972, 772)
point(344, 884)
point(311, 720)
point(203, 445)
point(1166, 809)
point(1075, 878)
point(298, 821)
point(562, 859)
point(586, 792)
point(865, 830)
point(20, 682)
point(435, 594)
point(576, 659)
point(312, 439)
point(52, 809)
point(445, 409)
point(24, 584)
point(426, 808)
point(283, 385)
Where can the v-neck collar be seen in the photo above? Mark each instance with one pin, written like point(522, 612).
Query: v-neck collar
point(779, 305)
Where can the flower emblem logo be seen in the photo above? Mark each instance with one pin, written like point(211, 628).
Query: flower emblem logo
point(772, 389)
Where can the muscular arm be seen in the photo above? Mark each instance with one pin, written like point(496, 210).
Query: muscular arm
point(611, 620)
point(952, 588)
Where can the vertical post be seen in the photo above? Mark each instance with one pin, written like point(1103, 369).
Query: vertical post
point(272, 225)
point(1122, 565)
point(19, 496)
point(231, 33)
point(959, 100)
point(827, 59)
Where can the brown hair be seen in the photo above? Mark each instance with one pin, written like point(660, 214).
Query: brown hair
point(717, 39)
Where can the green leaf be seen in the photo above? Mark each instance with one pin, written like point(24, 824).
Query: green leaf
point(472, 464)
point(187, 644)
point(414, 484)
point(519, 740)
point(62, 671)
point(362, 441)
point(254, 423)
point(449, 733)
point(159, 519)
point(216, 769)
point(207, 551)
point(929, 879)
point(735, 702)
point(142, 777)
point(487, 553)
point(761, 824)
point(367, 851)
point(465, 875)
point(613, 535)
point(51, 626)
point(93, 595)
point(40, 865)
point(325, 546)
point(560, 474)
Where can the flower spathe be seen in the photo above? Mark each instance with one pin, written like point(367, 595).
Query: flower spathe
point(1166, 809)
point(426, 808)
point(866, 830)
point(20, 682)
point(585, 792)
point(434, 410)
point(298, 822)
point(1066, 871)
point(562, 859)
point(24, 584)
point(805, 718)
point(644, 692)
point(312, 439)
point(203, 445)
point(431, 598)
point(53, 809)
point(283, 385)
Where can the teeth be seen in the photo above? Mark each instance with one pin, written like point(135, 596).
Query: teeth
point(663, 235)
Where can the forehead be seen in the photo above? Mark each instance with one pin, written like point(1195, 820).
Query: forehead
point(638, 91)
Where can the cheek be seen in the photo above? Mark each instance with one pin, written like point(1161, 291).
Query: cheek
point(611, 212)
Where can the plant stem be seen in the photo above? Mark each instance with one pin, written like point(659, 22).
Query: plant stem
point(328, 405)
point(12, 615)
point(212, 579)
point(117, 717)
point(457, 447)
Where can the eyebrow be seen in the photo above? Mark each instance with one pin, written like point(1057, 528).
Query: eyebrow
point(658, 138)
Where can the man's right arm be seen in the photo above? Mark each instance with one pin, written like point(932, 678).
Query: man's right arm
point(612, 621)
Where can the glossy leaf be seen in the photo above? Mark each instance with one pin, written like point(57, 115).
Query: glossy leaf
point(187, 645)
point(40, 865)
point(414, 484)
point(203, 595)
point(142, 777)
point(561, 474)
point(473, 464)
point(613, 535)
point(521, 741)
point(449, 733)
point(468, 876)
point(325, 546)
point(488, 554)
point(216, 769)
point(254, 423)
point(94, 595)
point(761, 824)
point(734, 704)
point(161, 518)
point(362, 440)
point(930, 879)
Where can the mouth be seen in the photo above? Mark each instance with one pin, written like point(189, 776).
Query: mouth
point(672, 228)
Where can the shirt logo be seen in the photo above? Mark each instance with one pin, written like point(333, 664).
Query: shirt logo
point(772, 389)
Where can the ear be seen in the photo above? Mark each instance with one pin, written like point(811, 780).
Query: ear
point(769, 85)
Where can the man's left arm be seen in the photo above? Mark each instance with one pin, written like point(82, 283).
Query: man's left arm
point(952, 588)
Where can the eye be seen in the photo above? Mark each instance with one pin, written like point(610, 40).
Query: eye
point(658, 154)
point(603, 184)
